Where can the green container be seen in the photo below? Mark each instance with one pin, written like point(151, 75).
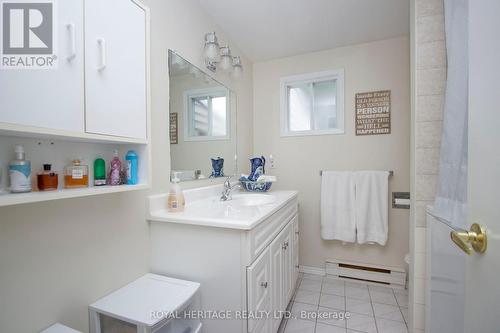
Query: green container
point(99, 172)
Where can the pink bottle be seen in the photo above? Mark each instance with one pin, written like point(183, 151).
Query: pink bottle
point(115, 170)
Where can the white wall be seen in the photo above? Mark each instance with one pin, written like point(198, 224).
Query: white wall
point(368, 67)
point(57, 257)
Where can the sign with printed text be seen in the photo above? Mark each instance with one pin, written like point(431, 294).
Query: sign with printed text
point(373, 113)
point(174, 135)
point(28, 34)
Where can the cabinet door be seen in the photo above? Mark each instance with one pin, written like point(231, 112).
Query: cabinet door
point(115, 68)
point(277, 277)
point(258, 290)
point(288, 265)
point(295, 250)
point(50, 98)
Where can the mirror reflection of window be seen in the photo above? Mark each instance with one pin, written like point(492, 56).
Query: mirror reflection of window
point(207, 114)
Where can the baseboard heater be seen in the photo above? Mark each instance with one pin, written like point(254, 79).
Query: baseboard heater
point(376, 274)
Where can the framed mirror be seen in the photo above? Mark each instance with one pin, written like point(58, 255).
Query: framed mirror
point(202, 123)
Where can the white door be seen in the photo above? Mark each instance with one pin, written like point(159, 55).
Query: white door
point(50, 98)
point(288, 264)
point(295, 250)
point(258, 286)
point(115, 68)
point(277, 292)
point(482, 290)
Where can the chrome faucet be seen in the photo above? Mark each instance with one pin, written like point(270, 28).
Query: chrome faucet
point(228, 189)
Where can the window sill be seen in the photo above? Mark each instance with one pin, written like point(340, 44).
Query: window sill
point(312, 133)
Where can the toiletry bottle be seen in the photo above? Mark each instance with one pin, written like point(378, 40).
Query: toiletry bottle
point(115, 169)
point(132, 167)
point(76, 175)
point(176, 201)
point(47, 179)
point(99, 172)
point(20, 172)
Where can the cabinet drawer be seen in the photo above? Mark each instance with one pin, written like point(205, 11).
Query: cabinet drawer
point(258, 289)
point(262, 235)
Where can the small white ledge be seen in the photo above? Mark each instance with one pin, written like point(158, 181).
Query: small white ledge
point(9, 199)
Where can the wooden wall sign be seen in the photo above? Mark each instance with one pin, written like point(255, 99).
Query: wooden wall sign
point(173, 129)
point(373, 113)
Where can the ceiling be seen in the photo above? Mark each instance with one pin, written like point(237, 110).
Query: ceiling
point(268, 29)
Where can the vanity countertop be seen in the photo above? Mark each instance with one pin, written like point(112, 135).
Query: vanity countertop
point(204, 208)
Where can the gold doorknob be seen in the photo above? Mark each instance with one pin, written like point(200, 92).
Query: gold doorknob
point(476, 237)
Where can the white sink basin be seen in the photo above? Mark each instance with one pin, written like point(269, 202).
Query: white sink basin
point(250, 200)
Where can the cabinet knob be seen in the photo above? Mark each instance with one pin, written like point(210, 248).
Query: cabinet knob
point(285, 246)
point(263, 284)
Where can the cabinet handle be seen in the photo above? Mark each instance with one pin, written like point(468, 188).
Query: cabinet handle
point(72, 41)
point(263, 284)
point(102, 51)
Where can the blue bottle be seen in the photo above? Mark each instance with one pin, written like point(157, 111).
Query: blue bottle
point(132, 165)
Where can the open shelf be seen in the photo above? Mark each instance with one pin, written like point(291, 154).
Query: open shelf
point(59, 152)
point(9, 199)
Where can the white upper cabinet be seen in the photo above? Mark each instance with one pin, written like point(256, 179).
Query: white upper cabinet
point(51, 97)
point(115, 68)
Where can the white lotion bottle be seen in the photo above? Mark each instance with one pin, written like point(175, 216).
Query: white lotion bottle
point(20, 172)
point(176, 201)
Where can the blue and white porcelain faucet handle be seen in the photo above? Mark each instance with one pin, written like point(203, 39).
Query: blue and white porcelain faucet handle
point(227, 190)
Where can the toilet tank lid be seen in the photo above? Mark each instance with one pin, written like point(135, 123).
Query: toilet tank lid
point(147, 300)
point(59, 328)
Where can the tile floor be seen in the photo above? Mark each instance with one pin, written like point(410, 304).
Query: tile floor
point(329, 305)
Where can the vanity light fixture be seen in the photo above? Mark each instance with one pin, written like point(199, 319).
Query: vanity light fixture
point(226, 60)
point(216, 56)
point(211, 47)
point(237, 67)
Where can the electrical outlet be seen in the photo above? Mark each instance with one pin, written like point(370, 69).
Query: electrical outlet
point(272, 161)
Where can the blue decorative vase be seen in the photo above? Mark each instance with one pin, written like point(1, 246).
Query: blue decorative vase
point(217, 167)
point(258, 167)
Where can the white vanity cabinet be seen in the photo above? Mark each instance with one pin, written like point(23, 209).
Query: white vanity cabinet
point(99, 88)
point(244, 263)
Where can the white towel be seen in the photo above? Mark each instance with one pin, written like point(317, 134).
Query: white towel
point(372, 206)
point(337, 206)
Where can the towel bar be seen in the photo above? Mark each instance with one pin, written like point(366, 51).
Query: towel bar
point(391, 173)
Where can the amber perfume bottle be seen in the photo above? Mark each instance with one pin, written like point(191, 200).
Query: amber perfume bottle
point(76, 175)
point(47, 179)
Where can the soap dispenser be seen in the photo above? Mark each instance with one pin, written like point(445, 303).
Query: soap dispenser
point(176, 201)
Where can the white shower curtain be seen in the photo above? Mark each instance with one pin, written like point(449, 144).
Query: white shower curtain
point(451, 198)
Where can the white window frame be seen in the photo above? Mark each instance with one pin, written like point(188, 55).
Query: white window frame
point(188, 95)
point(338, 75)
